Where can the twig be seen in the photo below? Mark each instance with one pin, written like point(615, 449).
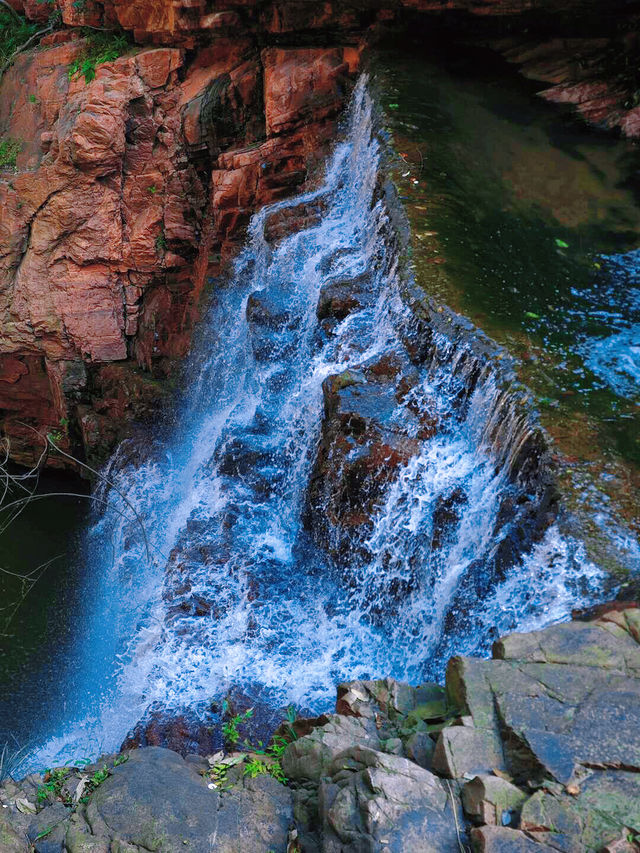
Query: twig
point(23, 47)
point(112, 485)
point(461, 846)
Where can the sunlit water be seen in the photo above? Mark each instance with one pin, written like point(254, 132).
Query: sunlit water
point(225, 586)
point(528, 223)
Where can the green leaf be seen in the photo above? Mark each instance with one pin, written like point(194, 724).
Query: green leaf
point(561, 244)
point(531, 315)
point(394, 106)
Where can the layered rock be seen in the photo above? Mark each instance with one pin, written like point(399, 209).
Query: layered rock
point(129, 191)
point(596, 76)
point(133, 189)
point(535, 750)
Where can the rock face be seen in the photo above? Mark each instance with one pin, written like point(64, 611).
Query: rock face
point(131, 190)
point(128, 192)
point(556, 712)
point(535, 750)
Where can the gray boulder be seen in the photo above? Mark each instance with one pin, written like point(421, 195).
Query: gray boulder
point(373, 802)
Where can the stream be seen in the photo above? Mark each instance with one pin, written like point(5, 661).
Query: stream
point(219, 566)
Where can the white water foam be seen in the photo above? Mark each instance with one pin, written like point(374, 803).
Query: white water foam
point(233, 591)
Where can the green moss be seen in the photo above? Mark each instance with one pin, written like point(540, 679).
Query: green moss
point(9, 150)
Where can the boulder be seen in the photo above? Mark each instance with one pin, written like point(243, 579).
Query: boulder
point(374, 801)
point(255, 817)
point(500, 839)
point(492, 800)
point(601, 809)
point(463, 750)
point(11, 839)
point(156, 801)
point(307, 760)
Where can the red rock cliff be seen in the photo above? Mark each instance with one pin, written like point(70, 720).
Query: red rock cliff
point(128, 193)
point(132, 190)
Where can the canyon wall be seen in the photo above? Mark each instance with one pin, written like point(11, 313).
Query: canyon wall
point(132, 190)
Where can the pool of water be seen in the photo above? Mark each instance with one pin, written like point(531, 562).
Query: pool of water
point(527, 222)
point(42, 585)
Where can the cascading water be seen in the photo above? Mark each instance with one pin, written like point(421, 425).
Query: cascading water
point(229, 585)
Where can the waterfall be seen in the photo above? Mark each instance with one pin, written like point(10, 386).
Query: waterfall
point(234, 581)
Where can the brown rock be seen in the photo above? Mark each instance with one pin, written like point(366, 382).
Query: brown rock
point(500, 839)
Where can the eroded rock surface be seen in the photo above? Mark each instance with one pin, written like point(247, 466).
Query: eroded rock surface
point(131, 191)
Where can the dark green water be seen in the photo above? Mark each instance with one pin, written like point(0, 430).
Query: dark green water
point(512, 203)
point(37, 621)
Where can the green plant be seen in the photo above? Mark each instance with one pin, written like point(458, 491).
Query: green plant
point(33, 99)
point(120, 759)
point(14, 32)
point(45, 832)
point(153, 189)
point(271, 763)
point(53, 782)
point(230, 728)
point(94, 782)
point(11, 761)
point(255, 767)
point(161, 242)
point(101, 47)
point(9, 150)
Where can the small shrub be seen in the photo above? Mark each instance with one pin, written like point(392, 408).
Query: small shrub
point(14, 32)
point(94, 782)
point(9, 150)
point(101, 48)
point(54, 780)
point(11, 761)
point(230, 728)
point(161, 243)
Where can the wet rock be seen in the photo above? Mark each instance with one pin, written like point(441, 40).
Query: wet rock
point(338, 299)
point(376, 801)
point(367, 438)
point(183, 733)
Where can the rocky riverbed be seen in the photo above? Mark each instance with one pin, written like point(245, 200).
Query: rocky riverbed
point(534, 750)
